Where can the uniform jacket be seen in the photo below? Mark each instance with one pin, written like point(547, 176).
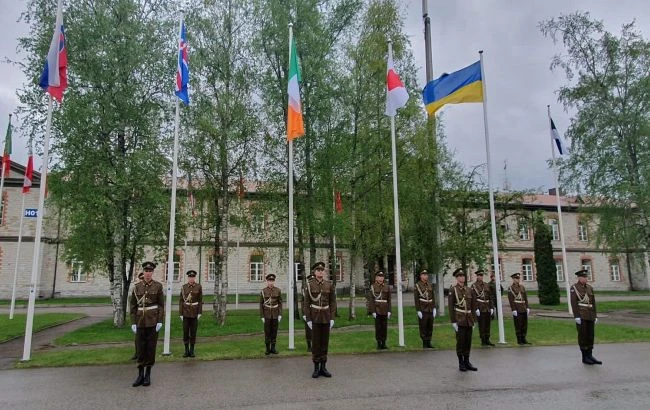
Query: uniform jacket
point(583, 302)
point(319, 301)
point(270, 303)
point(379, 299)
point(425, 299)
point(190, 303)
point(481, 292)
point(518, 298)
point(461, 305)
point(147, 304)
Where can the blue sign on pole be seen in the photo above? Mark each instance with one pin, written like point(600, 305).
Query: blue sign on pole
point(31, 212)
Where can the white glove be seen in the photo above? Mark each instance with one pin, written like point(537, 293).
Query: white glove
point(435, 312)
point(374, 315)
point(455, 326)
point(419, 314)
point(181, 318)
point(595, 321)
point(279, 319)
point(491, 311)
point(158, 326)
point(389, 315)
point(514, 313)
point(309, 324)
point(331, 324)
point(263, 321)
point(198, 317)
point(478, 312)
point(578, 321)
point(304, 318)
point(528, 312)
point(134, 328)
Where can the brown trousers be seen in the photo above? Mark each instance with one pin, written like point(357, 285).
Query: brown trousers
point(586, 334)
point(426, 326)
point(146, 339)
point(464, 340)
point(484, 325)
point(270, 330)
point(381, 328)
point(521, 324)
point(320, 339)
point(190, 324)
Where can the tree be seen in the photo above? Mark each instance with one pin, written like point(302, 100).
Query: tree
point(549, 291)
point(609, 87)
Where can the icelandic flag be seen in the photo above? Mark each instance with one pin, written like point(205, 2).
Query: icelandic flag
point(54, 79)
point(555, 135)
point(183, 70)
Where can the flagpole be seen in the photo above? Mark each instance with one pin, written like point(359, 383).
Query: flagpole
point(495, 245)
point(27, 348)
point(559, 217)
point(291, 268)
point(20, 239)
point(398, 260)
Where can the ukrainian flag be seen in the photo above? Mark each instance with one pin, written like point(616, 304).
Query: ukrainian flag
point(462, 86)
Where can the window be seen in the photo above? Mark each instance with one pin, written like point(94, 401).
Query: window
point(177, 268)
point(555, 229)
point(559, 271)
point(527, 269)
point(500, 267)
point(77, 273)
point(582, 232)
point(212, 268)
point(586, 265)
point(614, 271)
point(524, 232)
point(257, 268)
point(339, 267)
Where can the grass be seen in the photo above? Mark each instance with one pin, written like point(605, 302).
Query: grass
point(105, 300)
point(602, 292)
point(636, 306)
point(12, 328)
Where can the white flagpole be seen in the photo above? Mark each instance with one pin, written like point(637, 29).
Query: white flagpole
point(20, 240)
point(172, 226)
point(398, 260)
point(559, 217)
point(27, 348)
point(291, 268)
point(495, 244)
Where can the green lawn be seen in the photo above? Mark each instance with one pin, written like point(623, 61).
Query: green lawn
point(12, 328)
point(343, 341)
point(637, 306)
point(601, 292)
point(105, 300)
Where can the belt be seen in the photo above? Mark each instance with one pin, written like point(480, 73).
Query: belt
point(481, 300)
point(585, 305)
point(380, 301)
point(270, 306)
point(148, 307)
point(319, 307)
point(463, 311)
point(191, 303)
point(520, 301)
point(425, 300)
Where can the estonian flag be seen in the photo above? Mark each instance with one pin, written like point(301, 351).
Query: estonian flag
point(555, 135)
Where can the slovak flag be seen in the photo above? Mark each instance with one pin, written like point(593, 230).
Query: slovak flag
point(555, 135)
point(396, 94)
point(183, 70)
point(29, 172)
point(54, 79)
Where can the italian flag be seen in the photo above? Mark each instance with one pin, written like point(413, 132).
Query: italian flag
point(295, 126)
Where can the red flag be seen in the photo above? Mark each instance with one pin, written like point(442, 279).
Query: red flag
point(338, 203)
point(396, 94)
point(29, 172)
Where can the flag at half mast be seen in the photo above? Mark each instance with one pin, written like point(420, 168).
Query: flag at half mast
point(295, 125)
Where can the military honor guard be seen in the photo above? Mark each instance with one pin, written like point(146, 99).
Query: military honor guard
point(319, 306)
point(271, 313)
point(147, 314)
point(520, 310)
point(461, 313)
point(484, 307)
point(190, 308)
point(304, 315)
point(425, 306)
point(379, 306)
point(583, 304)
point(135, 354)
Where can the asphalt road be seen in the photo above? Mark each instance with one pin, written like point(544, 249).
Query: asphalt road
point(517, 378)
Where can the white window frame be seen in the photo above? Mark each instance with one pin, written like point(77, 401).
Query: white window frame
point(176, 275)
point(559, 271)
point(524, 232)
point(340, 277)
point(212, 269)
point(555, 229)
point(586, 265)
point(614, 271)
point(583, 232)
point(77, 273)
point(527, 270)
point(256, 269)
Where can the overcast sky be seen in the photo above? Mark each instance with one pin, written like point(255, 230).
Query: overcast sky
point(516, 56)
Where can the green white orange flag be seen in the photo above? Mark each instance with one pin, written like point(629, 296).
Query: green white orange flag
point(295, 125)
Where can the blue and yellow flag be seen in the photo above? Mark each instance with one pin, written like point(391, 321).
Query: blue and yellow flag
point(462, 86)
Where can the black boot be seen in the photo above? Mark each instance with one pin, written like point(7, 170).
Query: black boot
point(147, 377)
point(468, 365)
point(383, 345)
point(191, 349)
point(424, 344)
point(135, 356)
point(592, 358)
point(273, 349)
point(524, 341)
point(429, 345)
point(461, 363)
point(316, 372)
point(309, 345)
point(187, 350)
point(378, 345)
point(140, 379)
point(488, 342)
point(268, 349)
point(585, 357)
point(323, 369)
point(483, 342)
point(520, 340)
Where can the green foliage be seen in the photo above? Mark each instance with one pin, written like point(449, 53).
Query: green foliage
point(549, 291)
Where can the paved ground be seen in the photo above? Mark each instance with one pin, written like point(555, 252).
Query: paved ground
point(518, 378)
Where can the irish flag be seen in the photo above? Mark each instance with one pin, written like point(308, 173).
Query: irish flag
point(295, 126)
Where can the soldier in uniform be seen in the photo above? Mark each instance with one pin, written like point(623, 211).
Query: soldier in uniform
point(271, 313)
point(319, 306)
point(135, 355)
point(190, 308)
point(484, 307)
point(304, 315)
point(583, 304)
point(379, 306)
point(461, 313)
point(519, 306)
point(425, 305)
point(147, 313)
